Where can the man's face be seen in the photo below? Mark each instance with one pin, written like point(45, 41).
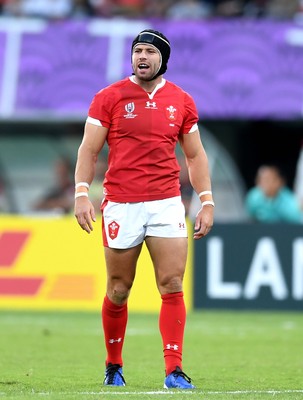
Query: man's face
point(146, 61)
point(269, 181)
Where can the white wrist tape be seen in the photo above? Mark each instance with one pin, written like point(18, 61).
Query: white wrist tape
point(207, 202)
point(205, 192)
point(81, 184)
point(81, 194)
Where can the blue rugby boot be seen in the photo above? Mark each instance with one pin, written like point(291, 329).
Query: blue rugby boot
point(178, 380)
point(114, 375)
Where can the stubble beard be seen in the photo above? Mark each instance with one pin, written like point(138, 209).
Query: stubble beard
point(144, 77)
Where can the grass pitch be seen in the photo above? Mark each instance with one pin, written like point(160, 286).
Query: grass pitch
point(229, 355)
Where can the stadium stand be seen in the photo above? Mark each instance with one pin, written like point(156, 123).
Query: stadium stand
point(171, 9)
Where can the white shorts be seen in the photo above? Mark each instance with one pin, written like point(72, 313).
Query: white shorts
point(126, 225)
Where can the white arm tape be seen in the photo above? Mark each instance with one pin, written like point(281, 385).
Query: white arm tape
point(205, 192)
point(208, 202)
point(79, 184)
point(81, 194)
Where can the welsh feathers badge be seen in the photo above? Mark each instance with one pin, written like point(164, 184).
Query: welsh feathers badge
point(171, 113)
point(113, 229)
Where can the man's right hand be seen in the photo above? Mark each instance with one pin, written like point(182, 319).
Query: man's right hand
point(85, 213)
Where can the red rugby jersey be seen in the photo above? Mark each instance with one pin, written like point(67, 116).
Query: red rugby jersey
point(142, 136)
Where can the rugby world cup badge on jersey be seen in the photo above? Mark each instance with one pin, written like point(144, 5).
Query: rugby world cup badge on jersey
point(130, 108)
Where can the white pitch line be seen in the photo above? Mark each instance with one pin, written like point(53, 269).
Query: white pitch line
point(176, 392)
point(258, 391)
point(158, 392)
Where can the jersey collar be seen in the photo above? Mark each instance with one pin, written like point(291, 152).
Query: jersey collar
point(159, 86)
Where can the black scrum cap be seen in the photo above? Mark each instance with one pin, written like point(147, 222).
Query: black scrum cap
point(157, 39)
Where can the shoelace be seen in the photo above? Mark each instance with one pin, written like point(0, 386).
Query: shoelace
point(179, 372)
point(111, 371)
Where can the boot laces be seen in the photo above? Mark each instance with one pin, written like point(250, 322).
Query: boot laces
point(178, 372)
point(111, 371)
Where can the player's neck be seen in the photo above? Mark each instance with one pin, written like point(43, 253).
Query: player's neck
point(148, 86)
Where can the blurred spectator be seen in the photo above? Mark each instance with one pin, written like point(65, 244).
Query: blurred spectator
point(60, 198)
point(255, 8)
point(4, 203)
point(229, 8)
point(298, 182)
point(189, 9)
point(10, 7)
point(101, 8)
point(82, 9)
point(271, 200)
point(2, 4)
point(157, 9)
point(172, 9)
point(282, 9)
point(50, 9)
point(128, 8)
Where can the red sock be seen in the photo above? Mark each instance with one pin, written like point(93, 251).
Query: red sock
point(172, 323)
point(114, 319)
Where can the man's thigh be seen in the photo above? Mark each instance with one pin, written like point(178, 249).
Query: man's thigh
point(121, 267)
point(169, 257)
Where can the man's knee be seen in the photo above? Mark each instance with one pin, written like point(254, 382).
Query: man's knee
point(170, 284)
point(118, 291)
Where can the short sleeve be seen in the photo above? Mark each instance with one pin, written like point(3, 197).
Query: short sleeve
point(101, 107)
point(191, 117)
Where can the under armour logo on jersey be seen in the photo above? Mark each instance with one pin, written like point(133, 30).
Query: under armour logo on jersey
point(151, 104)
point(113, 229)
point(111, 341)
point(172, 347)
